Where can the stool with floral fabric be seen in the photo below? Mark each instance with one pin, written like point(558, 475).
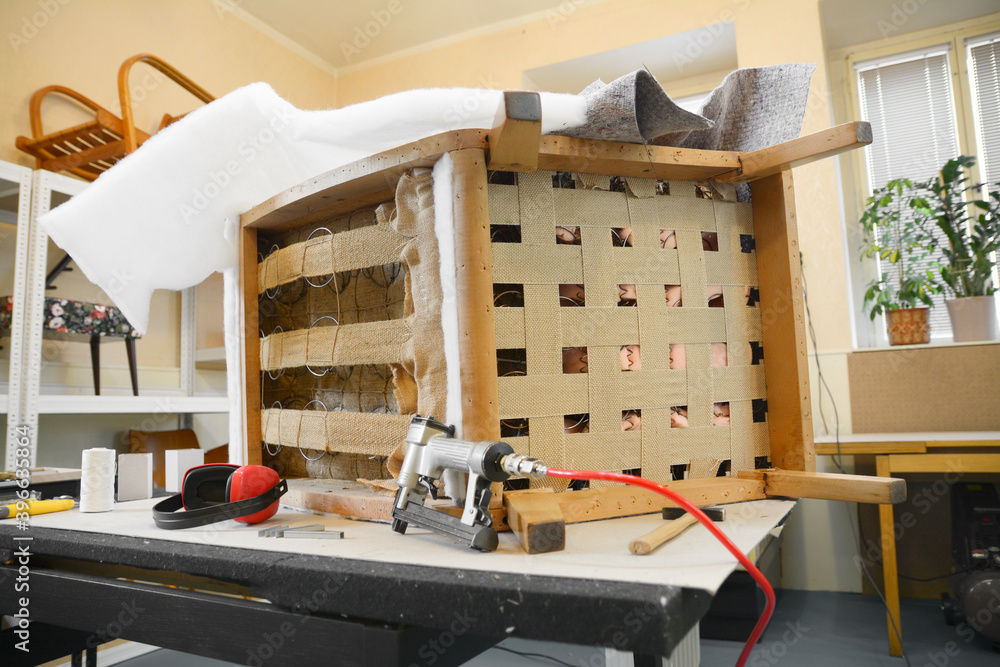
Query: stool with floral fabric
point(66, 319)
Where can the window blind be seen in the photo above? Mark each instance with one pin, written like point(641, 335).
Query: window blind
point(910, 106)
point(984, 69)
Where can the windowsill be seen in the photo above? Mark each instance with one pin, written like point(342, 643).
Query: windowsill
point(942, 344)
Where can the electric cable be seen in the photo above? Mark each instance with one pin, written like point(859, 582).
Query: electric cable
point(684, 503)
point(528, 654)
point(840, 459)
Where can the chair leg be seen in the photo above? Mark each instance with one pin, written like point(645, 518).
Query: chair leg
point(133, 371)
point(95, 362)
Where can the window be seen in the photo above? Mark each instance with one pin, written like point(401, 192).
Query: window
point(908, 101)
point(926, 107)
point(984, 70)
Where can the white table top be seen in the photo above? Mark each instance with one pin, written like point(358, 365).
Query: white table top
point(594, 550)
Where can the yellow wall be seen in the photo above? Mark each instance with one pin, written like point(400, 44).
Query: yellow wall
point(81, 44)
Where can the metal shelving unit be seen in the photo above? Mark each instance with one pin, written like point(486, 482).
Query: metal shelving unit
point(39, 192)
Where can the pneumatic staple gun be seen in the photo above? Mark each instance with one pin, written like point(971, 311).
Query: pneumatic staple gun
point(433, 449)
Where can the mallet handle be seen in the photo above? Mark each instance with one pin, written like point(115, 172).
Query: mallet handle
point(651, 540)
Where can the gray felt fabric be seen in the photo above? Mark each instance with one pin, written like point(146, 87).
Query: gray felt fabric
point(633, 109)
point(753, 108)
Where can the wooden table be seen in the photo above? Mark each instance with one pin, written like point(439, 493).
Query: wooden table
point(898, 453)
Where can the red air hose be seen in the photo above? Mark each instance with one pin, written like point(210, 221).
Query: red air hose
point(685, 504)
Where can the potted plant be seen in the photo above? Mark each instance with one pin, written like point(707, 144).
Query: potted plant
point(971, 227)
point(895, 229)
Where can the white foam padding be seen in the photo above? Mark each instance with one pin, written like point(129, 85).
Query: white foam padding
point(167, 216)
point(135, 476)
point(178, 462)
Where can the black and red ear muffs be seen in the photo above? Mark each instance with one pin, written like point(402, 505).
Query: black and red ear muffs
point(221, 491)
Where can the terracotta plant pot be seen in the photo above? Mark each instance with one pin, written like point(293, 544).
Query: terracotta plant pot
point(973, 318)
point(908, 326)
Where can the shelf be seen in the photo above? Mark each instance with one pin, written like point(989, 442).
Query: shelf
point(210, 354)
point(56, 404)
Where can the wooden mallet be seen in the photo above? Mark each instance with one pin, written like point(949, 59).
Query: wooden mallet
point(681, 522)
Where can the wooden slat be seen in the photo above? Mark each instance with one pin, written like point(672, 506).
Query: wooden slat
point(801, 151)
point(940, 463)
point(517, 129)
point(850, 448)
point(536, 509)
point(250, 348)
point(887, 533)
point(786, 366)
point(364, 182)
point(829, 486)
point(84, 157)
point(618, 159)
point(474, 297)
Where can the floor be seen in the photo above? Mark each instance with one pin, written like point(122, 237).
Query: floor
point(808, 628)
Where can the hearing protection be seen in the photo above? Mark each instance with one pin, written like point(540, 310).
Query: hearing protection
point(221, 491)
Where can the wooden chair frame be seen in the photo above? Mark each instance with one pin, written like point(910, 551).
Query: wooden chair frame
point(515, 144)
point(89, 149)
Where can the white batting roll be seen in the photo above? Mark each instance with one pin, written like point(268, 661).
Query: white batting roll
point(97, 480)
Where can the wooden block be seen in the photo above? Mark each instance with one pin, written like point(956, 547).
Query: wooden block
point(539, 525)
point(531, 508)
point(517, 129)
point(829, 486)
point(135, 476)
point(178, 462)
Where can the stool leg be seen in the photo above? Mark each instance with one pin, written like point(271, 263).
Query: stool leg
point(95, 362)
point(133, 371)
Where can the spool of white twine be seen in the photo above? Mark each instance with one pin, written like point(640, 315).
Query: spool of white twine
point(97, 480)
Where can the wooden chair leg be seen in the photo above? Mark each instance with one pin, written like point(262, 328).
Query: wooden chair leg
point(95, 362)
point(887, 531)
point(133, 371)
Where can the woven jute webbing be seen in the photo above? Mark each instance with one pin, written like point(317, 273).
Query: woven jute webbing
point(707, 257)
point(340, 347)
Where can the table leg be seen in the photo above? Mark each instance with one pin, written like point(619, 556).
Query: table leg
point(887, 535)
